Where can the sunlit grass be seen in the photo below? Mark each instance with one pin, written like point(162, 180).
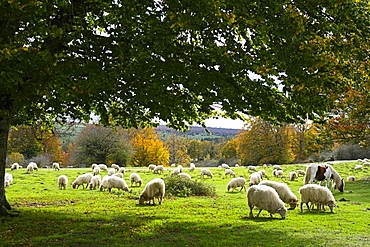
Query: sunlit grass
point(82, 217)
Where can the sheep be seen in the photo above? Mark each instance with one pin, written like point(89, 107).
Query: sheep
point(277, 167)
point(30, 168)
point(115, 182)
point(155, 188)
point(173, 165)
point(358, 167)
point(118, 174)
point(293, 175)
point(122, 170)
point(225, 166)
point(151, 167)
point(95, 182)
point(55, 166)
point(103, 167)
point(252, 168)
point(62, 182)
point(265, 198)
point(176, 171)
point(206, 172)
point(81, 180)
point(15, 166)
point(96, 170)
point(135, 178)
point(180, 168)
point(8, 179)
point(236, 165)
point(93, 165)
point(230, 172)
point(192, 167)
point(285, 193)
point(351, 178)
point(277, 173)
point(104, 182)
point(255, 178)
point(184, 175)
point(366, 163)
point(158, 169)
point(115, 166)
point(316, 194)
point(262, 172)
point(111, 171)
point(236, 182)
point(301, 172)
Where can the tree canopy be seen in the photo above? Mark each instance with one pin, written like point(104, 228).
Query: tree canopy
point(135, 62)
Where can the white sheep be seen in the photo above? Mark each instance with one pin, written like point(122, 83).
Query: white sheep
point(115, 182)
point(277, 167)
point(180, 168)
point(192, 167)
point(293, 175)
point(277, 173)
point(135, 179)
point(81, 180)
point(285, 193)
point(184, 175)
point(55, 166)
point(32, 166)
point(151, 167)
point(111, 171)
point(301, 172)
point(153, 189)
point(366, 163)
point(62, 182)
point(15, 166)
point(255, 178)
point(252, 168)
point(96, 170)
point(118, 174)
point(358, 167)
point(93, 165)
point(206, 172)
point(8, 179)
point(265, 198)
point(95, 182)
point(237, 165)
point(351, 178)
point(176, 171)
point(104, 182)
point(225, 166)
point(316, 194)
point(103, 167)
point(230, 172)
point(237, 182)
point(122, 170)
point(158, 169)
point(262, 172)
point(115, 166)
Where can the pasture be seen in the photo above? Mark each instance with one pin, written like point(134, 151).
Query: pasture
point(49, 216)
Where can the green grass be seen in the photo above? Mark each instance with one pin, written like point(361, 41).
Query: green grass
point(81, 217)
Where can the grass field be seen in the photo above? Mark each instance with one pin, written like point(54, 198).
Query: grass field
point(82, 217)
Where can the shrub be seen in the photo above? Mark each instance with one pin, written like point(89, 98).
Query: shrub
point(184, 187)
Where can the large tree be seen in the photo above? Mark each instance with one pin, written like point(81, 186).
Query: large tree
point(134, 61)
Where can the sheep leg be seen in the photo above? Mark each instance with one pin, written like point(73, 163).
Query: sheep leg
point(251, 209)
point(258, 215)
point(308, 207)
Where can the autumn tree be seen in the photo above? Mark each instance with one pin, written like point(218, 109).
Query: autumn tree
point(148, 148)
point(231, 149)
point(178, 148)
point(135, 62)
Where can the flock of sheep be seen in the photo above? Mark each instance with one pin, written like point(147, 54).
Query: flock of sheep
point(264, 194)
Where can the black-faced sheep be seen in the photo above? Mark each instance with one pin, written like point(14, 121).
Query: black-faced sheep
point(153, 189)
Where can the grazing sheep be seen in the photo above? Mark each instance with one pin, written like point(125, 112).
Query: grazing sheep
point(316, 194)
point(62, 182)
point(366, 163)
point(122, 170)
point(301, 172)
point(236, 182)
point(206, 172)
point(93, 165)
point(95, 182)
point(55, 166)
point(285, 193)
point(265, 198)
point(184, 175)
point(103, 167)
point(115, 182)
point(180, 168)
point(236, 165)
point(15, 166)
point(32, 166)
point(262, 172)
point(135, 178)
point(255, 178)
point(192, 167)
point(358, 167)
point(81, 180)
point(96, 170)
point(118, 174)
point(277, 167)
point(173, 165)
point(277, 173)
point(293, 175)
point(252, 168)
point(151, 167)
point(176, 171)
point(8, 179)
point(351, 178)
point(104, 182)
point(158, 169)
point(111, 171)
point(115, 166)
point(153, 189)
point(225, 166)
point(230, 172)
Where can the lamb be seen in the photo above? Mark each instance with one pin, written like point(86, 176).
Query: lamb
point(135, 178)
point(151, 167)
point(55, 166)
point(158, 169)
point(122, 170)
point(103, 167)
point(96, 170)
point(252, 168)
point(153, 189)
point(206, 172)
point(115, 166)
point(255, 178)
point(293, 175)
point(351, 178)
point(176, 171)
point(237, 182)
point(230, 172)
point(81, 180)
point(316, 194)
point(265, 198)
point(15, 166)
point(111, 171)
point(192, 167)
point(95, 182)
point(115, 182)
point(285, 193)
point(8, 179)
point(62, 181)
point(184, 175)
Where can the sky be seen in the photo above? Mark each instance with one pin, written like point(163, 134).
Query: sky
point(224, 123)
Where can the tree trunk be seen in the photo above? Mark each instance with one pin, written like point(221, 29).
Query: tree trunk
point(4, 131)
